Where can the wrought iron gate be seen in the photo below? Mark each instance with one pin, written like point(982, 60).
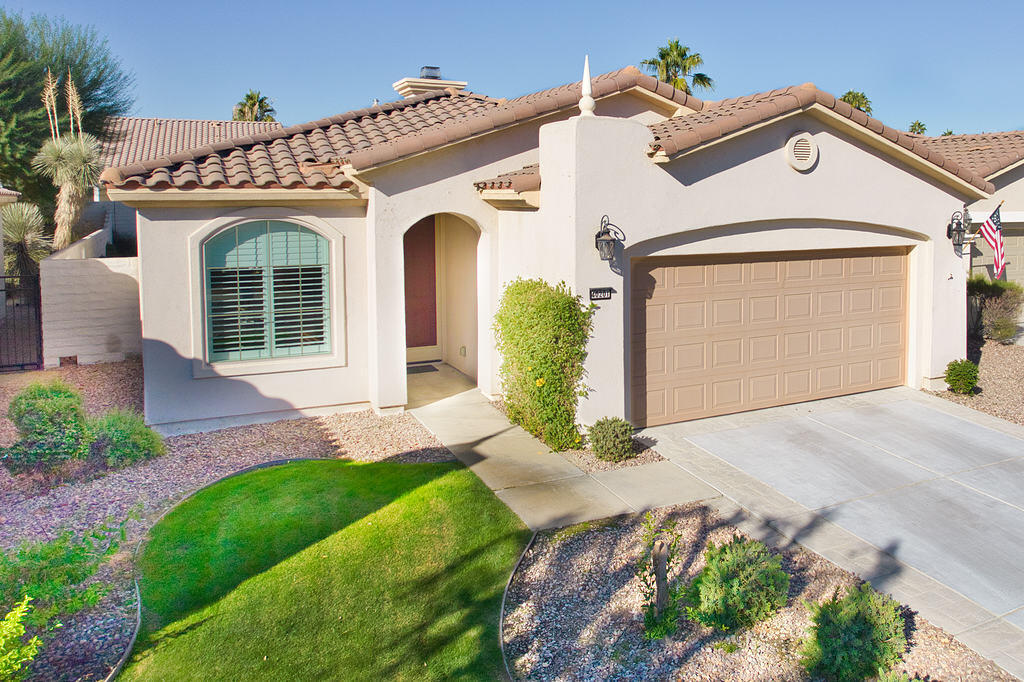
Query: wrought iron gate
point(21, 337)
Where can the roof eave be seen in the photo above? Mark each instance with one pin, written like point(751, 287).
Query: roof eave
point(142, 197)
point(511, 199)
point(1005, 169)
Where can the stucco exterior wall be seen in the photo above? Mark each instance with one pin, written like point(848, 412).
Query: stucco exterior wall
point(90, 309)
point(459, 305)
point(736, 197)
point(182, 391)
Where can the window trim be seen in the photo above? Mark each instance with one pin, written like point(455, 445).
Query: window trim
point(336, 238)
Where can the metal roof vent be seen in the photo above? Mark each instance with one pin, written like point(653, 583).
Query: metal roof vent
point(802, 152)
point(433, 72)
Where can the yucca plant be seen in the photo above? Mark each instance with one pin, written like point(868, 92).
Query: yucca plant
point(24, 242)
point(71, 161)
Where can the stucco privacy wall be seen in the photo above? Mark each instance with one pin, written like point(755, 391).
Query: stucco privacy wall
point(735, 197)
point(90, 305)
point(182, 392)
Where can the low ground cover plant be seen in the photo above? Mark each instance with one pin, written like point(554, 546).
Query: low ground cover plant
point(854, 637)
point(54, 574)
point(15, 651)
point(658, 625)
point(962, 376)
point(54, 434)
point(542, 332)
point(742, 584)
point(611, 439)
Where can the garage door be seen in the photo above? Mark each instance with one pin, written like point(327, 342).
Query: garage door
point(715, 335)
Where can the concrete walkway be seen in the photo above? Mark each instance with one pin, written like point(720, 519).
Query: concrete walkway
point(919, 495)
point(543, 488)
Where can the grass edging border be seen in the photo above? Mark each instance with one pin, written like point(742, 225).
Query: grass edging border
point(145, 536)
point(504, 596)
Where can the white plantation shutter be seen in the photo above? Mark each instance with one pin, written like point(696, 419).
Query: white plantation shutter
point(267, 291)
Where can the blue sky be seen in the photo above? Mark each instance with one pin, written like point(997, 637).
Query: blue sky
point(915, 60)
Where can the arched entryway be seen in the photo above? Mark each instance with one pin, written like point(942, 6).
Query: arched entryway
point(441, 327)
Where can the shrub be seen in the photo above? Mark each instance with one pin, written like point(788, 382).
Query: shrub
point(1000, 302)
point(742, 584)
point(854, 637)
point(14, 651)
point(611, 439)
point(658, 626)
point(961, 376)
point(52, 572)
point(52, 425)
point(121, 437)
point(542, 334)
point(895, 676)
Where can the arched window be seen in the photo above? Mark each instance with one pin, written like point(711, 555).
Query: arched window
point(267, 292)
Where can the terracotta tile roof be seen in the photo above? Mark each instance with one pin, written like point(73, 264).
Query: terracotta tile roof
point(984, 153)
point(129, 139)
point(525, 179)
point(4, 192)
point(718, 119)
point(310, 155)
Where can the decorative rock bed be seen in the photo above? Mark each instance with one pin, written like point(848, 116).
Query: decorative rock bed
point(90, 642)
point(573, 612)
point(1000, 373)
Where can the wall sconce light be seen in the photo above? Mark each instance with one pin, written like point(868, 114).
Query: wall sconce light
point(606, 238)
point(956, 230)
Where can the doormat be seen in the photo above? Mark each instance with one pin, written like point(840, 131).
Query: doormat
point(420, 369)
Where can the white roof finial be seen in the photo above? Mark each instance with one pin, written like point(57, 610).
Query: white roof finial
point(587, 103)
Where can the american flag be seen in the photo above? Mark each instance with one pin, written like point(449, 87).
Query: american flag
point(992, 231)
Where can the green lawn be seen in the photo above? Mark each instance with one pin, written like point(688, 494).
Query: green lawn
point(329, 570)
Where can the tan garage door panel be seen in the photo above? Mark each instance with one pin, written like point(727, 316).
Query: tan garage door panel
point(714, 335)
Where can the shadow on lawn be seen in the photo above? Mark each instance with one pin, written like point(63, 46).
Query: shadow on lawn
point(246, 524)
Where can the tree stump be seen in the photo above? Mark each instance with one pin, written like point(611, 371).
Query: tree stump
point(659, 556)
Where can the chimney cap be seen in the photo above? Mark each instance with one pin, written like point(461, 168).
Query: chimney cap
point(430, 72)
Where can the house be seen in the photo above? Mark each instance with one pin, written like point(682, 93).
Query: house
point(766, 249)
point(999, 158)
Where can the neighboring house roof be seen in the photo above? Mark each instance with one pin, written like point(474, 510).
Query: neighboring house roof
point(526, 179)
point(130, 139)
point(4, 192)
point(311, 154)
point(985, 153)
point(719, 119)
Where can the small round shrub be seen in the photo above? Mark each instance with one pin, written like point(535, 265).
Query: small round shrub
point(611, 439)
point(121, 438)
point(742, 584)
point(854, 637)
point(962, 376)
point(52, 426)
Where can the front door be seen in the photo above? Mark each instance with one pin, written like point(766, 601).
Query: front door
point(421, 292)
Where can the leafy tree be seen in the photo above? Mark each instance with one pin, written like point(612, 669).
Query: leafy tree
point(917, 128)
point(28, 47)
point(254, 107)
point(857, 100)
point(71, 161)
point(674, 64)
point(24, 243)
point(15, 652)
point(947, 132)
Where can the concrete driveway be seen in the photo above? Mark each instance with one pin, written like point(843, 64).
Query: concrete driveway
point(921, 496)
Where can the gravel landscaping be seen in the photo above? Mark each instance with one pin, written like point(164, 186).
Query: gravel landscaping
point(574, 613)
point(1000, 378)
point(147, 490)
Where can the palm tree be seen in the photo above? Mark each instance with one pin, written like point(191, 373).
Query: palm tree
point(947, 132)
point(675, 63)
point(24, 243)
point(857, 100)
point(254, 107)
point(917, 128)
point(71, 161)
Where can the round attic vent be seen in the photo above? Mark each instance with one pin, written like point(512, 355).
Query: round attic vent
point(802, 151)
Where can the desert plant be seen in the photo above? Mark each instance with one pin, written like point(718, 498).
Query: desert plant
point(1001, 314)
point(24, 244)
point(121, 437)
point(52, 426)
point(611, 439)
point(895, 676)
point(54, 572)
point(854, 637)
point(658, 625)
point(542, 334)
point(961, 376)
point(15, 652)
point(743, 583)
